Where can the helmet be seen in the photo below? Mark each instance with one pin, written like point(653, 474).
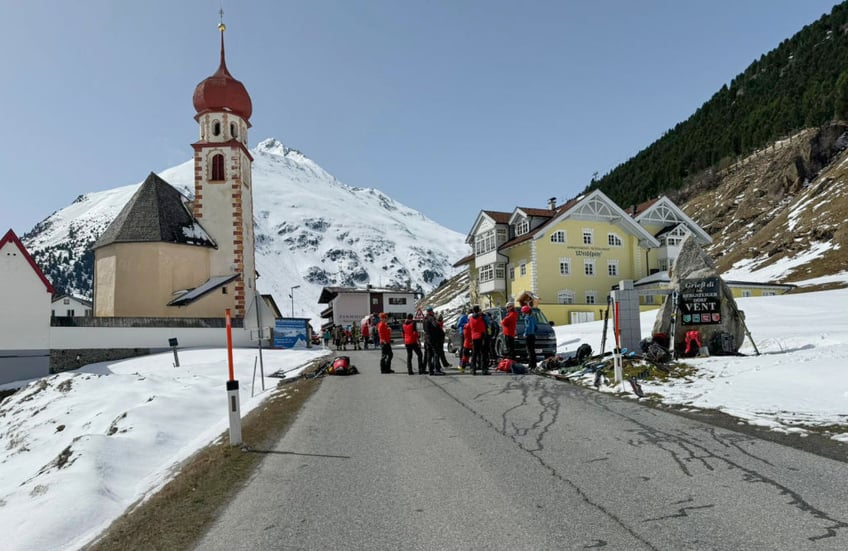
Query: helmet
point(525, 309)
point(429, 308)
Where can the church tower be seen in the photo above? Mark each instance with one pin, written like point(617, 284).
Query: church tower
point(223, 196)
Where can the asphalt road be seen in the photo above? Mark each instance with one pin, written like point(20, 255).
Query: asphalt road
point(523, 462)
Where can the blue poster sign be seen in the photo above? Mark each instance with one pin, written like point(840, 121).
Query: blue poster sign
point(290, 333)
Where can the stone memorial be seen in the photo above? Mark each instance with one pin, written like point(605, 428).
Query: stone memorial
point(704, 304)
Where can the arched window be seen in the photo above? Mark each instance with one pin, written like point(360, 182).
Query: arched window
point(216, 128)
point(233, 130)
point(218, 167)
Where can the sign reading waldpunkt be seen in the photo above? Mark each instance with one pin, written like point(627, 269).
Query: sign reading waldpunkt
point(700, 301)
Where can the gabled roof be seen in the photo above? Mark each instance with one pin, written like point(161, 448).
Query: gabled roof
point(497, 217)
point(82, 301)
point(594, 205)
point(464, 260)
point(156, 213)
point(190, 295)
point(663, 211)
point(527, 212)
point(11, 238)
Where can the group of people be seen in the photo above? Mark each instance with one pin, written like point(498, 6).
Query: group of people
point(341, 336)
point(433, 359)
point(477, 330)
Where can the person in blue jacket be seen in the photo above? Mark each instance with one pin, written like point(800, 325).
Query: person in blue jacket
point(530, 335)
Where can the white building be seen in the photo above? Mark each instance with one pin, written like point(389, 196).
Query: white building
point(25, 294)
point(348, 305)
point(68, 306)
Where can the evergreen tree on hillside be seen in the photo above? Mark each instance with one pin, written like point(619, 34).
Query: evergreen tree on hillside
point(801, 83)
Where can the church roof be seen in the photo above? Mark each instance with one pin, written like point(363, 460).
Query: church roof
point(187, 296)
point(222, 92)
point(156, 213)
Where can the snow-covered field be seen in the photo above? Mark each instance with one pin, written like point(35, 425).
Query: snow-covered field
point(798, 378)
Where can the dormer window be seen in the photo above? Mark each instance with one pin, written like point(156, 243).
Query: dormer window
point(218, 167)
point(522, 227)
point(216, 128)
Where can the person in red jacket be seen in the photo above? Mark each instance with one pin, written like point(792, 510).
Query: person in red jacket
point(477, 325)
point(467, 345)
point(385, 335)
point(410, 340)
point(508, 325)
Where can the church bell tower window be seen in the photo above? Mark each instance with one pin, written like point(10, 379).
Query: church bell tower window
point(216, 128)
point(233, 130)
point(218, 167)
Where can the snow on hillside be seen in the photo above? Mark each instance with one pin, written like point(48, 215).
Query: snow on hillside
point(311, 230)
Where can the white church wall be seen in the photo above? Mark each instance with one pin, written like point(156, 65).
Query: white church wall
point(71, 338)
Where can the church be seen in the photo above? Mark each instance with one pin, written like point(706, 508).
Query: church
point(165, 256)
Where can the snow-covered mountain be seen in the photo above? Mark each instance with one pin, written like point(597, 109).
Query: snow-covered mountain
point(311, 230)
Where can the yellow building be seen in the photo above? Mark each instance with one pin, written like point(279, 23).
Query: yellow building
point(570, 256)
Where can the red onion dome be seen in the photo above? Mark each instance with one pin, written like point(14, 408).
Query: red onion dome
point(222, 92)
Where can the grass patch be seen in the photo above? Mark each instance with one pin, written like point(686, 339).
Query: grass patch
point(179, 514)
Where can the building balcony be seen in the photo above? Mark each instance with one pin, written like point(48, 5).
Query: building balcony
point(492, 286)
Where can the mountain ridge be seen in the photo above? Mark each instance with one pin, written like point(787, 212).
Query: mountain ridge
point(311, 230)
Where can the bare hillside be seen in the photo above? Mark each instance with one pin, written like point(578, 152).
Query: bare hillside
point(787, 201)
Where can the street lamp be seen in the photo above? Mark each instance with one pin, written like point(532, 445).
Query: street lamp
point(291, 296)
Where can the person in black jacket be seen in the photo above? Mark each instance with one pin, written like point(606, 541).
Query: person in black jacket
point(435, 335)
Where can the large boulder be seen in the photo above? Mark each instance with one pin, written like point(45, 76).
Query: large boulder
point(705, 304)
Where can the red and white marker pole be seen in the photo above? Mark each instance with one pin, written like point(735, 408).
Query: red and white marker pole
point(233, 391)
point(618, 366)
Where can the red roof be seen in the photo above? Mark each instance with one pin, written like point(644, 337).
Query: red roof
point(221, 92)
point(10, 237)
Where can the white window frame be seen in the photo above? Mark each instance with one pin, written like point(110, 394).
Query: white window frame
point(588, 236)
point(566, 264)
point(591, 297)
point(589, 267)
point(565, 296)
point(612, 268)
point(522, 269)
point(511, 268)
point(522, 227)
point(614, 240)
point(558, 236)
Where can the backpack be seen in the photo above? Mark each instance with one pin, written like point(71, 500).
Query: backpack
point(583, 352)
point(722, 344)
point(341, 366)
point(657, 354)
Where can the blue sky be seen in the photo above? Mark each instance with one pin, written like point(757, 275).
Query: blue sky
point(448, 106)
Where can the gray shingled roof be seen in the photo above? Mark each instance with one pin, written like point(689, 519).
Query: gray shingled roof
point(156, 213)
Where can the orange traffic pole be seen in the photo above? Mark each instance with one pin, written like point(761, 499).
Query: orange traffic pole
point(230, 345)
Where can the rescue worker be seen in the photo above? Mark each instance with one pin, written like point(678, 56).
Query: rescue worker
point(385, 336)
point(410, 340)
point(508, 324)
point(477, 326)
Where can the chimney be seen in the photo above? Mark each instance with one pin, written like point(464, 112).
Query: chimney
point(552, 203)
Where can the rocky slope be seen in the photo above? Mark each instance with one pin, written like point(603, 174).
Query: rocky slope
point(781, 213)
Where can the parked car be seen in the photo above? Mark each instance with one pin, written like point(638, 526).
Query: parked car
point(546, 344)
